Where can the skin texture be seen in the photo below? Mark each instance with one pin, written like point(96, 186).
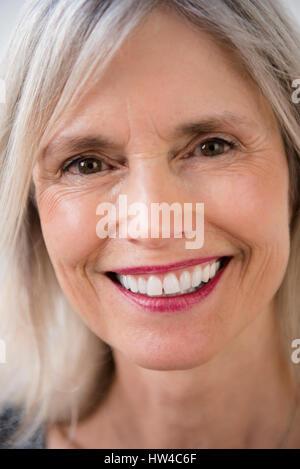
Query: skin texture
point(186, 379)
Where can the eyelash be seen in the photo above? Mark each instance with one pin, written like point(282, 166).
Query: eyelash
point(232, 144)
point(67, 165)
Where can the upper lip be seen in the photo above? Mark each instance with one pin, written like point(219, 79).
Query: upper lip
point(152, 269)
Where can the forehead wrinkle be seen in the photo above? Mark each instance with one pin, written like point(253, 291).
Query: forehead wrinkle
point(147, 116)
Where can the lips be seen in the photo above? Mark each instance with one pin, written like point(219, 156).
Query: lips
point(153, 269)
point(160, 301)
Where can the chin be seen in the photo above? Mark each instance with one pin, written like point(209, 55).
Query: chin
point(167, 356)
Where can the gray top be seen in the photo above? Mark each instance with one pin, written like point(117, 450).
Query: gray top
point(9, 421)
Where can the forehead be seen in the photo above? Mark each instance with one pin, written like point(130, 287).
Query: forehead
point(166, 72)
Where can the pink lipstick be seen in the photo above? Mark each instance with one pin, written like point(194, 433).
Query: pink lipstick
point(156, 269)
point(171, 303)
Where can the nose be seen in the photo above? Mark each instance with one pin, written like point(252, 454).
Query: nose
point(154, 196)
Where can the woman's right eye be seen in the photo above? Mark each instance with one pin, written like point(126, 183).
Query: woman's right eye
point(86, 166)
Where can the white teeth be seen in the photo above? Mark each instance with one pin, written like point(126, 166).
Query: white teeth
point(171, 284)
point(124, 281)
point(154, 286)
point(185, 281)
point(142, 285)
point(205, 274)
point(196, 277)
point(132, 283)
point(212, 270)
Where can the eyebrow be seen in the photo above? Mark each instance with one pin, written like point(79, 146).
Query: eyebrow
point(212, 124)
point(208, 124)
point(80, 143)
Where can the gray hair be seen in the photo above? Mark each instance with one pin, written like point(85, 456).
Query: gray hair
point(56, 364)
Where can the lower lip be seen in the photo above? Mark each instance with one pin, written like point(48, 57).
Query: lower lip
point(172, 303)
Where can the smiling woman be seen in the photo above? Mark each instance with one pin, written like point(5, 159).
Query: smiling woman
point(138, 342)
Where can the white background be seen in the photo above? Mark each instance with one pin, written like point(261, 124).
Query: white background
point(10, 8)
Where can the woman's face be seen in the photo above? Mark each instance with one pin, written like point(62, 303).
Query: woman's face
point(165, 76)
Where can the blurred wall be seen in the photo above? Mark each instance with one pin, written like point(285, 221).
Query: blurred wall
point(8, 12)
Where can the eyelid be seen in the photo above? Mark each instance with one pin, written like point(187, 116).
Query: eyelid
point(75, 159)
point(224, 138)
point(200, 139)
point(232, 142)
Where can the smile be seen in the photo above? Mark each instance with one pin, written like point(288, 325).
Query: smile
point(172, 290)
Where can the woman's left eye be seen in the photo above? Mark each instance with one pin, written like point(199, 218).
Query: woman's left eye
point(212, 147)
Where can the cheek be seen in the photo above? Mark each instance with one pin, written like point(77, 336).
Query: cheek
point(254, 211)
point(249, 204)
point(69, 227)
